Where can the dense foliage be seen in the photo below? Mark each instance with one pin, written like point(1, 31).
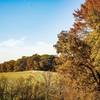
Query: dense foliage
point(35, 62)
point(79, 48)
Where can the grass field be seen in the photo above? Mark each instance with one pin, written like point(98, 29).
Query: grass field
point(36, 75)
point(43, 83)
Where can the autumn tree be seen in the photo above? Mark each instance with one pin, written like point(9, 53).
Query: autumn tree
point(73, 49)
point(20, 64)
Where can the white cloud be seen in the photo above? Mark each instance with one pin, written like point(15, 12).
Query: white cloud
point(15, 48)
point(12, 42)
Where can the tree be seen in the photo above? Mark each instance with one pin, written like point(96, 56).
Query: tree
point(20, 64)
point(75, 52)
point(89, 14)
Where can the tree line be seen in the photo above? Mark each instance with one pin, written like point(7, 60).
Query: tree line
point(35, 62)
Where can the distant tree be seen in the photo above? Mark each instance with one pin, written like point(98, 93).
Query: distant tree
point(35, 62)
point(47, 62)
point(20, 64)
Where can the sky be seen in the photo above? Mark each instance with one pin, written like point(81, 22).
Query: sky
point(31, 26)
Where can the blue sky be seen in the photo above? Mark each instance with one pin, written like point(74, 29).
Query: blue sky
point(31, 26)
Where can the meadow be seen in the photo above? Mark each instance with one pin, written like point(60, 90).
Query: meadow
point(34, 85)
